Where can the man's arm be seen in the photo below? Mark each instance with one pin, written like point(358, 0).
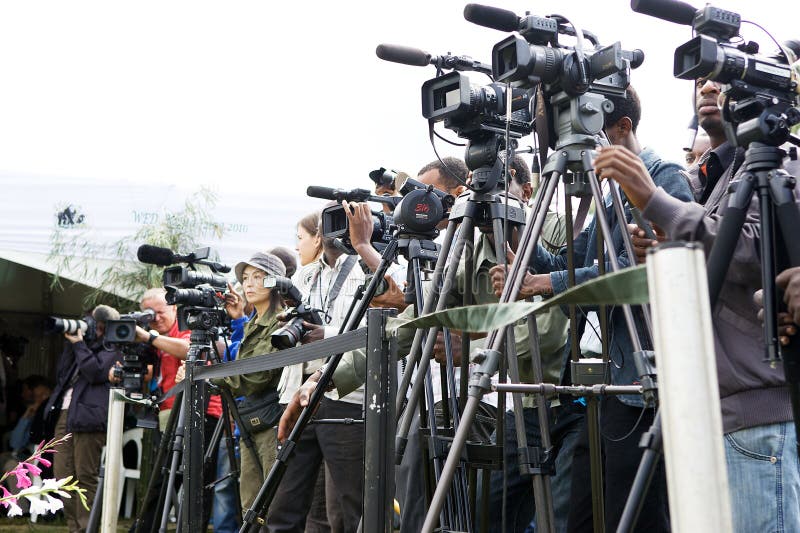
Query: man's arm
point(176, 346)
point(680, 219)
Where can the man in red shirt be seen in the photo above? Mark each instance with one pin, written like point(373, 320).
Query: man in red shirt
point(171, 345)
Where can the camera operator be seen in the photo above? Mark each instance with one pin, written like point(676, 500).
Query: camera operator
point(760, 446)
point(359, 219)
point(410, 482)
point(619, 415)
point(328, 284)
point(80, 403)
point(250, 337)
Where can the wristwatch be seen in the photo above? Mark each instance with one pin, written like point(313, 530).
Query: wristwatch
point(153, 336)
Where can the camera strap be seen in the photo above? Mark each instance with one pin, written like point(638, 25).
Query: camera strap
point(334, 291)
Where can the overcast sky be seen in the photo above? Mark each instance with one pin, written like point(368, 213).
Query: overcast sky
point(263, 95)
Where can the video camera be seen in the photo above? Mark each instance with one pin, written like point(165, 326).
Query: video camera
point(478, 114)
point(417, 212)
point(124, 329)
point(135, 356)
point(466, 108)
point(71, 326)
point(761, 96)
point(198, 295)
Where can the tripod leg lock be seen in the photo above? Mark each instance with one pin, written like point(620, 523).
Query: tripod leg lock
point(480, 382)
point(645, 362)
point(400, 449)
point(251, 517)
point(534, 460)
point(287, 449)
point(651, 439)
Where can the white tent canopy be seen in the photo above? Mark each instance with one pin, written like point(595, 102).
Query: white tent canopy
point(104, 212)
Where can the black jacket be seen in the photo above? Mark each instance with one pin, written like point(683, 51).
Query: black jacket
point(86, 367)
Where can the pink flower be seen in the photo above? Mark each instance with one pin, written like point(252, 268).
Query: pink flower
point(8, 495)
point(7, 502)
point(32, 468)
point(45, 462)
point(23, 481)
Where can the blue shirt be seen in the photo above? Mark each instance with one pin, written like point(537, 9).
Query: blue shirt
point(666, 175)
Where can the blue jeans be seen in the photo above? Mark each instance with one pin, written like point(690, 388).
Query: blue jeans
point(764, 478)
point(565, 427)
point(225, 508)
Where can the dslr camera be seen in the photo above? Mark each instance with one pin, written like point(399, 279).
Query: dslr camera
point(293, 331)
point(71, 326)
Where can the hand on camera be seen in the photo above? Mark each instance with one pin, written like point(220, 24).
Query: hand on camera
point(393, 296)
point(142, 335)
point(641, 243)
point(234, 304)
point(359, 219)
point(314, 332)
point(111, 377)
point(626, 168)
point(77, 337)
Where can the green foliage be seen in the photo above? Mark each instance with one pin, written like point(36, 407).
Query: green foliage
point(117, 277)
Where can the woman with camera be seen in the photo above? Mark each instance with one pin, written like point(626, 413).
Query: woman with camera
point(260, 409)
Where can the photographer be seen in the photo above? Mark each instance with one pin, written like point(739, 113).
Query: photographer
point(172, 346)
point(619, 415)
point(359, 218)
point(760, 442)
point(551, 326)
point(80, 403)
point(251, 337)
point(328, 284)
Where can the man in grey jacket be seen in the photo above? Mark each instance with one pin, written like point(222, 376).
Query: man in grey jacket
point(760, 442)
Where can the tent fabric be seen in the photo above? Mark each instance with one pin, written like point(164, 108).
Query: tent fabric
point(103, 212)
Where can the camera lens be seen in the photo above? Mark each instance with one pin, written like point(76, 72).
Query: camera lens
point(289, 335)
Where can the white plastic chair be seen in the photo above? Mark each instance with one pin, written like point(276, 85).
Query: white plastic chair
point(128, 476)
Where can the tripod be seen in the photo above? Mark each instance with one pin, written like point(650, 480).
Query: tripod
point(761, 175)
point(576, 140)
point(484, 210)
point(156, 504)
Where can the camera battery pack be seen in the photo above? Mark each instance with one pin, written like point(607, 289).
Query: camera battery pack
point(590, 372)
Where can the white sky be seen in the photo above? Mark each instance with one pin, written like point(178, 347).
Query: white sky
point(262, 95)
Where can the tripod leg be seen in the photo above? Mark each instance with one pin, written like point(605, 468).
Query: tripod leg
point(450, 281)
point(430, 302)
point(653, 445)
point(150, 501)
point(481, 380)
point(177, 448)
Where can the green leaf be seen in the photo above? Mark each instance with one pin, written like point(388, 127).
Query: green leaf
point(628, 286)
